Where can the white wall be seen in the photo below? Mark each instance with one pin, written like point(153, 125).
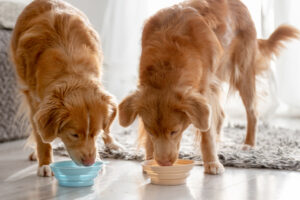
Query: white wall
point(21, 1)
point(94, 9)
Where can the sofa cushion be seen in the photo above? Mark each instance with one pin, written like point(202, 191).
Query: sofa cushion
point(9, 12)
point(11, 127)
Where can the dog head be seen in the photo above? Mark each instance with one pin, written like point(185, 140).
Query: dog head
point(165, 116)
point(76, 114)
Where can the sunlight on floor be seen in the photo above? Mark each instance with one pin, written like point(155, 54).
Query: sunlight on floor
point(21, 174)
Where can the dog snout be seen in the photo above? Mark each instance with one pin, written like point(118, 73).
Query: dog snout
point(165, 163)
point(88, 159)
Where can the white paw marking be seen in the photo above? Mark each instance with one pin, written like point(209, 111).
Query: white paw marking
point(213, 168)
point(114, 146)
point(44, 171)
point(246, 147)
point(32, 156)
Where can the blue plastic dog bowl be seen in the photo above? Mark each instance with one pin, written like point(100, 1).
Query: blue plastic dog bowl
point(71, 175)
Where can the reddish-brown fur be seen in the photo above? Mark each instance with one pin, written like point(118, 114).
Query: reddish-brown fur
point(188, 50)
point(58, 61)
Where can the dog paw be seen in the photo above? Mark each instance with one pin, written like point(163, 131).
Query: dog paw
point(114, 146)
point(32, 156)
point(246, 147)
point(213, 168)
point(44, 171)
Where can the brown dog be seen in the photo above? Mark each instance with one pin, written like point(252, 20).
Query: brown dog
point(58, 60)
point(188, 50)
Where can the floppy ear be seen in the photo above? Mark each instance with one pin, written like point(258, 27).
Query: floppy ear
point(198, 111)
point(112, 112)
point(49, 117)
point(128, 110)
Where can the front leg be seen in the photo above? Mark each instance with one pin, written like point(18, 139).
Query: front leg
point(145, 140)
point(110, 142)
point(148, 148)
point(210, 158)
point(32, 156)
point(43, 153)
point(44, 156)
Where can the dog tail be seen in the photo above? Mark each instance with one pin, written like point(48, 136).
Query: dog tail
point(274, 43)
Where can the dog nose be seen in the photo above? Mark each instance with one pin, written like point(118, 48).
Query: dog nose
point(88, 161)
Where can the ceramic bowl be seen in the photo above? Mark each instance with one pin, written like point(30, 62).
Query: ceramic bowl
point(168, 175)
point(71, 175)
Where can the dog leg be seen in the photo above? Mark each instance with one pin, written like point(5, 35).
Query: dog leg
point(110, 142)
point(44, 156)
point(215, 100)
point(148, 148)
point(220, 121)
point(247, 92)
point(148, 145)
point(210, 158)
point(31, 143)
point(145, 140)
point(32, 156)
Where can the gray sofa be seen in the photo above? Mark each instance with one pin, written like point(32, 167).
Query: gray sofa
point(11, 127)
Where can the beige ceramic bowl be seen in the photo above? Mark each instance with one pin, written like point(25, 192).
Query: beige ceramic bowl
point(168, 175)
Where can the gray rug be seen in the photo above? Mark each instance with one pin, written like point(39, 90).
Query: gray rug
point(277, 148)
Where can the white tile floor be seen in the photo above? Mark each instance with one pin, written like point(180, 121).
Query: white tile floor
point(125, 180)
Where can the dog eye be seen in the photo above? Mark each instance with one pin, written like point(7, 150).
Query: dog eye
point(173, 132)
point(74, 135)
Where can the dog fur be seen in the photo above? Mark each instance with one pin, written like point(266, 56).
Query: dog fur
point(188, 51)
point(58, 59)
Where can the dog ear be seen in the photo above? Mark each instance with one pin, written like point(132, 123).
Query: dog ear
point(112, 112)
point(49, 117)
point(128, 110)
point(198, 111)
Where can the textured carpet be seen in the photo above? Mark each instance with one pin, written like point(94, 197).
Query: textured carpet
point(277, 148)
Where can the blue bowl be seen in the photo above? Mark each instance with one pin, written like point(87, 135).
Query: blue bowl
point(71, 175)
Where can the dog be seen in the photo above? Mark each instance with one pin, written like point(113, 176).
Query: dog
point(58, 58)
point(188, 51)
